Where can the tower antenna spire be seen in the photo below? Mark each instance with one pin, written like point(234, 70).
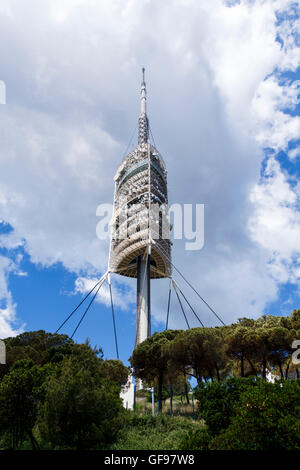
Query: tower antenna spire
point(143, 119)
point(143, 94)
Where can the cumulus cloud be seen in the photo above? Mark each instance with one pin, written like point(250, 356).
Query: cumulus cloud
point(216, 97)
point(275, 223)
point(7, 305)
point(123, 296)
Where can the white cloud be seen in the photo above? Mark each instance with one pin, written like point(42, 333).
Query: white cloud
point(241, 50)
point(123, 296)
point(275, 224)
point(10, 240)
point(294, 153)
point(7, 305)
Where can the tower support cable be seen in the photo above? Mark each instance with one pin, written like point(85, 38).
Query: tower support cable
point(75, 309)
point(169, 301)
point(181, 305)
point(189, 304)
point(113, 314)
point(87, 309)
point(188, 283)
point(152, 136)
point(131, 139)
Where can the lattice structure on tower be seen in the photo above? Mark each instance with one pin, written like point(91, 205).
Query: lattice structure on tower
point(140, 185)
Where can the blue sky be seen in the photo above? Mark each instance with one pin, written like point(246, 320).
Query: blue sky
point(222, 81)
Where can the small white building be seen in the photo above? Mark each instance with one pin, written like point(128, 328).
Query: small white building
point(127, 394)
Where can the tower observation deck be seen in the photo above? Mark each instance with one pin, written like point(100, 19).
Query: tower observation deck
point(140, 243)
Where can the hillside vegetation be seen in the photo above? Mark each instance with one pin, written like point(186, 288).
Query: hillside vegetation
point(56, 394)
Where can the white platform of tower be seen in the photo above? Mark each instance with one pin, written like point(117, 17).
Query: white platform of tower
point(140, 244)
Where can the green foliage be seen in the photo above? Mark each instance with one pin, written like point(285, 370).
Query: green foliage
point(115, 371)
point(217, 401)
point(198, 439)
point(37, 346)
point(61, 395)
point(20, 391)
point(164, 395)
point(263, 344)
point(262, 416)
point(57, 394)
point(240, 344)
point(150, 359)
point(199, 352)
point(82, 408)
point(246, 348)
point(266, 418)
point(179, 390)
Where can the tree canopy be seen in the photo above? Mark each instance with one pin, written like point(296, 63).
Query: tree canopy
point(56, 391)
point(246, 348)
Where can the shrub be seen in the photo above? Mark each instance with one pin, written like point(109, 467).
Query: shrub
point(267, 418)
point(198, 439)
point(82, 409)
point(217, 401)
point(154, 433)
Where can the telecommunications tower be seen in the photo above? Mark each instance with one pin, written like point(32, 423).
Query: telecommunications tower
point(140, 244)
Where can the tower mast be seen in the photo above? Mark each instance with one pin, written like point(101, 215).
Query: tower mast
point(141, 183)
point(143, 311)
